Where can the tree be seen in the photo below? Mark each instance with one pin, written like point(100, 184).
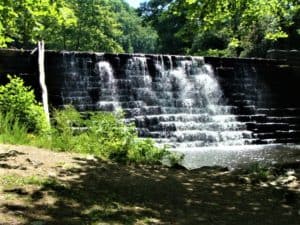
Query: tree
point(137, 36)
point(158, 14)
point(228, 27)
point(97, 25)
point(7, 22)
point(249, 27)
point(206, 27)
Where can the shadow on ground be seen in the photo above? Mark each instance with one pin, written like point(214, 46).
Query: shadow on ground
point(4, 157)
point(98, 192)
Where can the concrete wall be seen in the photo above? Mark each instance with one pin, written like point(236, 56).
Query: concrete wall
point(265, 91)
point(292, 57)
point(22, 64)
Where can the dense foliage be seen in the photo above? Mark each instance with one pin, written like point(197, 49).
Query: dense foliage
point(227, 27)
point(98, 25)
point(103, 134)
point(209, 27)
point(18, 100)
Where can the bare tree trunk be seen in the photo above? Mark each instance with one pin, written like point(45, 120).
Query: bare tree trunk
point(41, 61)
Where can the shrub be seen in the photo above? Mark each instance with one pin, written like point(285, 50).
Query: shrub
point(63, 137)
point(145, 151)
point(19, 100)
point(104, 134)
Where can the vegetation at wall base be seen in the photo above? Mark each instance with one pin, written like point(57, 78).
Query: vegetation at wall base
point(102, 134)
point(12, 130)
point(18, 106)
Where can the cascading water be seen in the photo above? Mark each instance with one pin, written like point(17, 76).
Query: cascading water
point(109, 96)
point(180, 106)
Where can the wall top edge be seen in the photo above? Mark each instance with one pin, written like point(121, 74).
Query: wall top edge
point(4, 51)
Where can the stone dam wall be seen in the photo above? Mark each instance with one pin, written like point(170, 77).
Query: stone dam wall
point(263, 95)
point(267, 95)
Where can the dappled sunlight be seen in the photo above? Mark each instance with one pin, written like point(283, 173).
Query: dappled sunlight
point(88, 190)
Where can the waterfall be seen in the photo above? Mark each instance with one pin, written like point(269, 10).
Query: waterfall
point(180, 105)
point(109, 95)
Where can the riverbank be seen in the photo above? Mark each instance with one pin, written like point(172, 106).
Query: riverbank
point(41, 187)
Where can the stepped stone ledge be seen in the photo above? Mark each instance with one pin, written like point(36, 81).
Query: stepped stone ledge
point(182, 101)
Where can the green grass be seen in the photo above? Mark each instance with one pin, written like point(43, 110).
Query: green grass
point(15, 180)
point(12, 130)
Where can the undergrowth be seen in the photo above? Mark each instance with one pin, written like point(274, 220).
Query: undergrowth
point(99, 133)
point(12, 130)
point(15, 180)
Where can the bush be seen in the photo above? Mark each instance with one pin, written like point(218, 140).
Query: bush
point(19, 100)
point(104, 134)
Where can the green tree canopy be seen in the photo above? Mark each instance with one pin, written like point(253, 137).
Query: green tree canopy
point(98, 25)
point(227, 27)
point(202, 27)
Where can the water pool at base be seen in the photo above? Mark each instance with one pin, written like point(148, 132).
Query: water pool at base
point(239, 156)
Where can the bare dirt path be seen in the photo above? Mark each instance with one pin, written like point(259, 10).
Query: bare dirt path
point(41, 187)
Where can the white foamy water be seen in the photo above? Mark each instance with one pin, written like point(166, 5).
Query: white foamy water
point(107, 85)
point(161, 104)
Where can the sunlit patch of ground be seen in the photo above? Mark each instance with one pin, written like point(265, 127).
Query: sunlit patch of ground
point(42, 187)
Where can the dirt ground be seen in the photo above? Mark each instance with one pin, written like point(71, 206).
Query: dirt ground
point(40, 187)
